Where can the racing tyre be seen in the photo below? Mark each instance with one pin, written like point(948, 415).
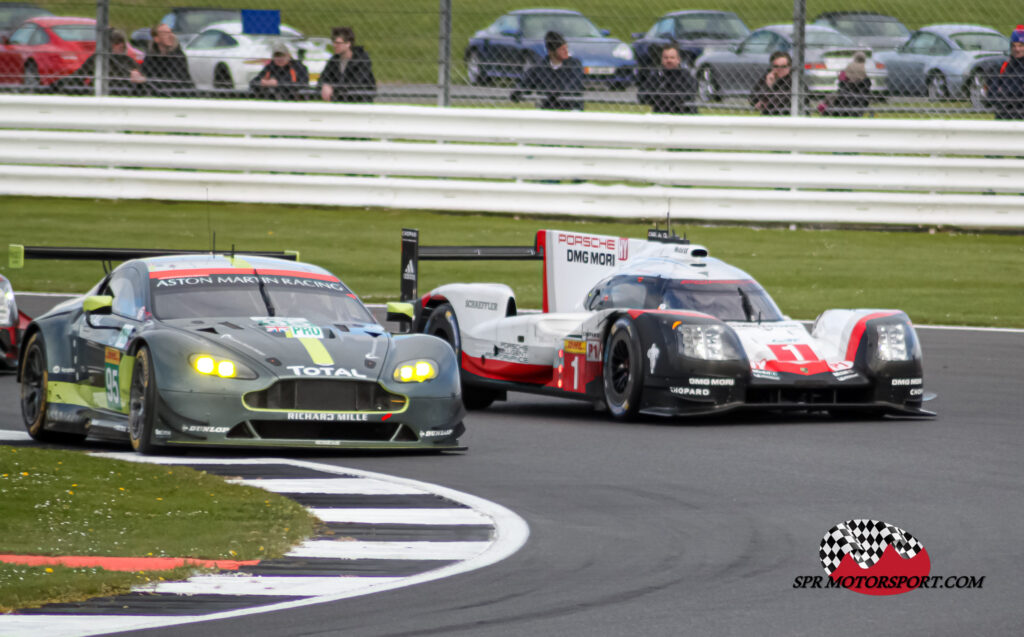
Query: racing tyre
point(222, 78)
point(707, 85)
point(142, 404)
point(34, 382)
point(976, 91)
point(30, 76)
point(623, 370)
point(444, 325)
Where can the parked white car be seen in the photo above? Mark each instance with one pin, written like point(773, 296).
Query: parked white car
point(221, 56)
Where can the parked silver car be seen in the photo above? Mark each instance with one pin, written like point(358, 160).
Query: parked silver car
point(945, 61)
point(827, 52)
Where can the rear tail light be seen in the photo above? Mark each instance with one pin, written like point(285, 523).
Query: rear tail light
point(811, 66)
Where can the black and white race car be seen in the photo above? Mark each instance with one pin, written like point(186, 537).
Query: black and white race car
point(659, 327)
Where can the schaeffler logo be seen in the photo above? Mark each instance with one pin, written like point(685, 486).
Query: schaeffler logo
point(874, 558)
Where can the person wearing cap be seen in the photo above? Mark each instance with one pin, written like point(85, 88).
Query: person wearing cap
point(165, 70)
point(283, 78)
point(558, 79)
point(670, 88)
point(120, 69)
point(1006, 90)
point(773, 92)
point(854, 91)
point(348, 75)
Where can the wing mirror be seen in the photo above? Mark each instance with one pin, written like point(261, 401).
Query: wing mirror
point(402, 313)
point(98, 304)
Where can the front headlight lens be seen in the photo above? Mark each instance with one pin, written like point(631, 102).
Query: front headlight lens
point(623, 52)
point(415, 371)
point(892, 342)
point(208, 365)
point(706, 342)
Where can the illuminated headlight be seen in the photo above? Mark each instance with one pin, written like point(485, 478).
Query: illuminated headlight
point(208, 365)
point(892, 342)
point(415, 371)
point(623, 52)
point(706, 342)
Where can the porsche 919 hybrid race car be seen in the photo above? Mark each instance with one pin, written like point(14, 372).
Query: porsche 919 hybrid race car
point(228, 350)
point(659, 327)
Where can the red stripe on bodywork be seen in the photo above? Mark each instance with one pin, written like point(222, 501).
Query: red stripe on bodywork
point(541, 243)
point(804, 368)
point(858, 332)
point(506, 370)
point(124, 563)
point(636, 313)
point(176, 274)
point(301, 275)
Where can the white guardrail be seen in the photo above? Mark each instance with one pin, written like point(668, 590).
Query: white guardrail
point(716, 168)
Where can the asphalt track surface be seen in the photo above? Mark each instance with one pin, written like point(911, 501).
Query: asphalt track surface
point(675, 529)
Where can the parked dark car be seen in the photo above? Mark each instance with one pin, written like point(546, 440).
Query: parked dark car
point(186, 23)
point(874, 30)
point(513, 42)
point(693, 32)
point(946, 61)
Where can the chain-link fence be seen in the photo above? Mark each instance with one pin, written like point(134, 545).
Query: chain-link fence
point(868, 58)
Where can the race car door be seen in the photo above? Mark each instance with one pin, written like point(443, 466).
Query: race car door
point(100, 339)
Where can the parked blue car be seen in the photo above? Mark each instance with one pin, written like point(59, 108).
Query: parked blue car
point(693, 32)
point(946, 61)
point(515, 41)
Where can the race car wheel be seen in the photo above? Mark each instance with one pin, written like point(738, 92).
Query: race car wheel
point(444, 325)
point(707, 85)
point(142, 404)
point(623, 370)
point(34, 383)
point(937, 90)
point(475, 70)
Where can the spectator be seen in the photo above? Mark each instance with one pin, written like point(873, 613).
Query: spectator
point(559, 78)
point(348, 75)
point(283, 78)
point(671, 88)
point(165, 70)
point(120, 69)
point(1006, 90)
point(854, 93)
point(772, 95)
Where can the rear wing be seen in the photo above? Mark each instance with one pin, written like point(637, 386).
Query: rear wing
point(17, 253)
point(573, 261)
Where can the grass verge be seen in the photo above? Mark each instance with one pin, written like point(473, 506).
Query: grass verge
point(941, 278)
point(56, 502)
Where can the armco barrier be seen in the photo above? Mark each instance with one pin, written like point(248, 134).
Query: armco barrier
point(800, 170)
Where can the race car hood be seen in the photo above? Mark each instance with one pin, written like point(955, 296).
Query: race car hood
point(293, 347)
point(786, 346)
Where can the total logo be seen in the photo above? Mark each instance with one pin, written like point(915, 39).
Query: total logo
point(301, 370)
point(874, 558)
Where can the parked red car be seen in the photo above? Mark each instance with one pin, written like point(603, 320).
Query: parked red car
point(44, 49)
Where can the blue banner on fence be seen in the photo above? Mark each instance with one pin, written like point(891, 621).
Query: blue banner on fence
point(261, 22)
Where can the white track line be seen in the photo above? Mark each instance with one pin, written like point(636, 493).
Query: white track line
point(402, 516)
point(357, 550)
point(354, 486)
point(263, 585)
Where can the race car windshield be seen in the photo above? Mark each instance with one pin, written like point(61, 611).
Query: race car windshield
point(726, 301)
point(215, 296)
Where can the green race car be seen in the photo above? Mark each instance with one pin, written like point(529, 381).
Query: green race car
point(226, 350)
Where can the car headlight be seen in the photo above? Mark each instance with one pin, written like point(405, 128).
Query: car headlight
point(415, 371)
point(706, 342)
point(623, 52)
point(208, 365)
point(892, 342)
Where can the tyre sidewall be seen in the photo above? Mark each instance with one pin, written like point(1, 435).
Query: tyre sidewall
point(625, 404)
point(35, 428)
point(141, 437)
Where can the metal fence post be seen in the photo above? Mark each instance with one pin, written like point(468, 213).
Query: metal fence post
point(444, 67)
point(102, 66)
point(799, 18)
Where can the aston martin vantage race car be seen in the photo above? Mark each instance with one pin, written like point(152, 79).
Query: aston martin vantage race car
point(660, 327)
point(226, 350)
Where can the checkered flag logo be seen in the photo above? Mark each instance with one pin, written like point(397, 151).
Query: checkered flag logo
point(866, 540)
